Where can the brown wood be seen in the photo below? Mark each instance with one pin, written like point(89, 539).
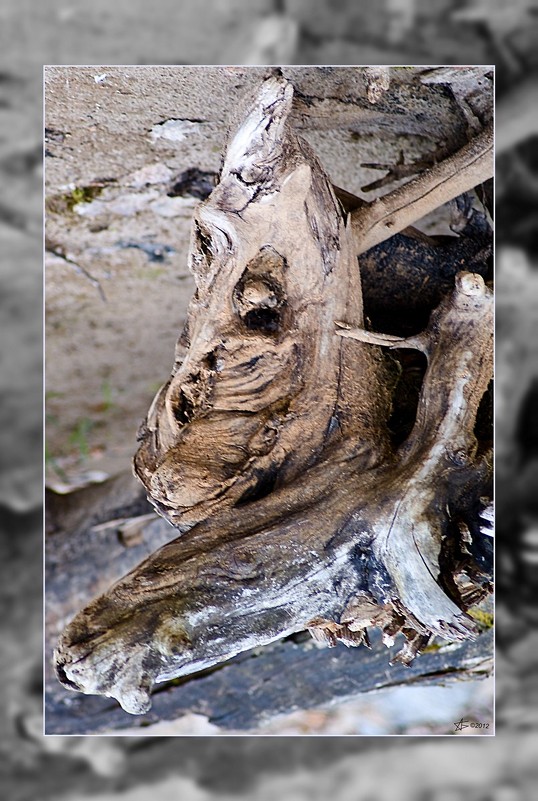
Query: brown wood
point(265, 388)
point(271, 437)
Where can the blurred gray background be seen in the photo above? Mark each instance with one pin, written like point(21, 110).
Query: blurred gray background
point(268, 32)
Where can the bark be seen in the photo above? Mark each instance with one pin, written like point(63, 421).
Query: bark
point(271, 437)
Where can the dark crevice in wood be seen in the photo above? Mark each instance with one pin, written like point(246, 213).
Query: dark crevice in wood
point(263, 320)
point(412, 366)
point(265, 484)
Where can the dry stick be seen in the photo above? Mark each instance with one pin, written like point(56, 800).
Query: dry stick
point(459, 173)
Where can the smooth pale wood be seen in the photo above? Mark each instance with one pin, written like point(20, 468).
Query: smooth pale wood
point(395, 211)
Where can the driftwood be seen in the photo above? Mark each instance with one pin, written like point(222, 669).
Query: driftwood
point(239, 695)
point(271, 437)
point(467, 168)
point(258, 686)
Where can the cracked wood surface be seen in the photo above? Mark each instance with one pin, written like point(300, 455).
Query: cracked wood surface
point(307, 554)
point(272, 432)
point(256, 687)
point(265, 388)
point(133, 238)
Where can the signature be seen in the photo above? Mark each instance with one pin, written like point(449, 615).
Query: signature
point(466, 724)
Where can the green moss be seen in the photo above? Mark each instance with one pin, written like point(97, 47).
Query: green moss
point(106, 391)
point(60, 204)
point(431, 648)
point(83, 194)
point(79, 436)
point(150, 273)
point(484, 619)
point(51, 463)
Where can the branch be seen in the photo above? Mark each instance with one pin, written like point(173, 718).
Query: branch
point(390, 214)
point(288, 675)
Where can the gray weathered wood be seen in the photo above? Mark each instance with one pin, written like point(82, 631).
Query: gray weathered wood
point(469, 167)
point(259, 686)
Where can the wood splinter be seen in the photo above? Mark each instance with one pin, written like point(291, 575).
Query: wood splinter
point(271, 437)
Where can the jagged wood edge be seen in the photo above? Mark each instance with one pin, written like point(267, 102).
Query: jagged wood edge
point(146, 629)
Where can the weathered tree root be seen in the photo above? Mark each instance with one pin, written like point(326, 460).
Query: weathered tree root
point(320, 524)
point(265, 387)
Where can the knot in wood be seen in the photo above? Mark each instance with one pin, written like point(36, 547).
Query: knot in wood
point(459, 457)
point(471, 284)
